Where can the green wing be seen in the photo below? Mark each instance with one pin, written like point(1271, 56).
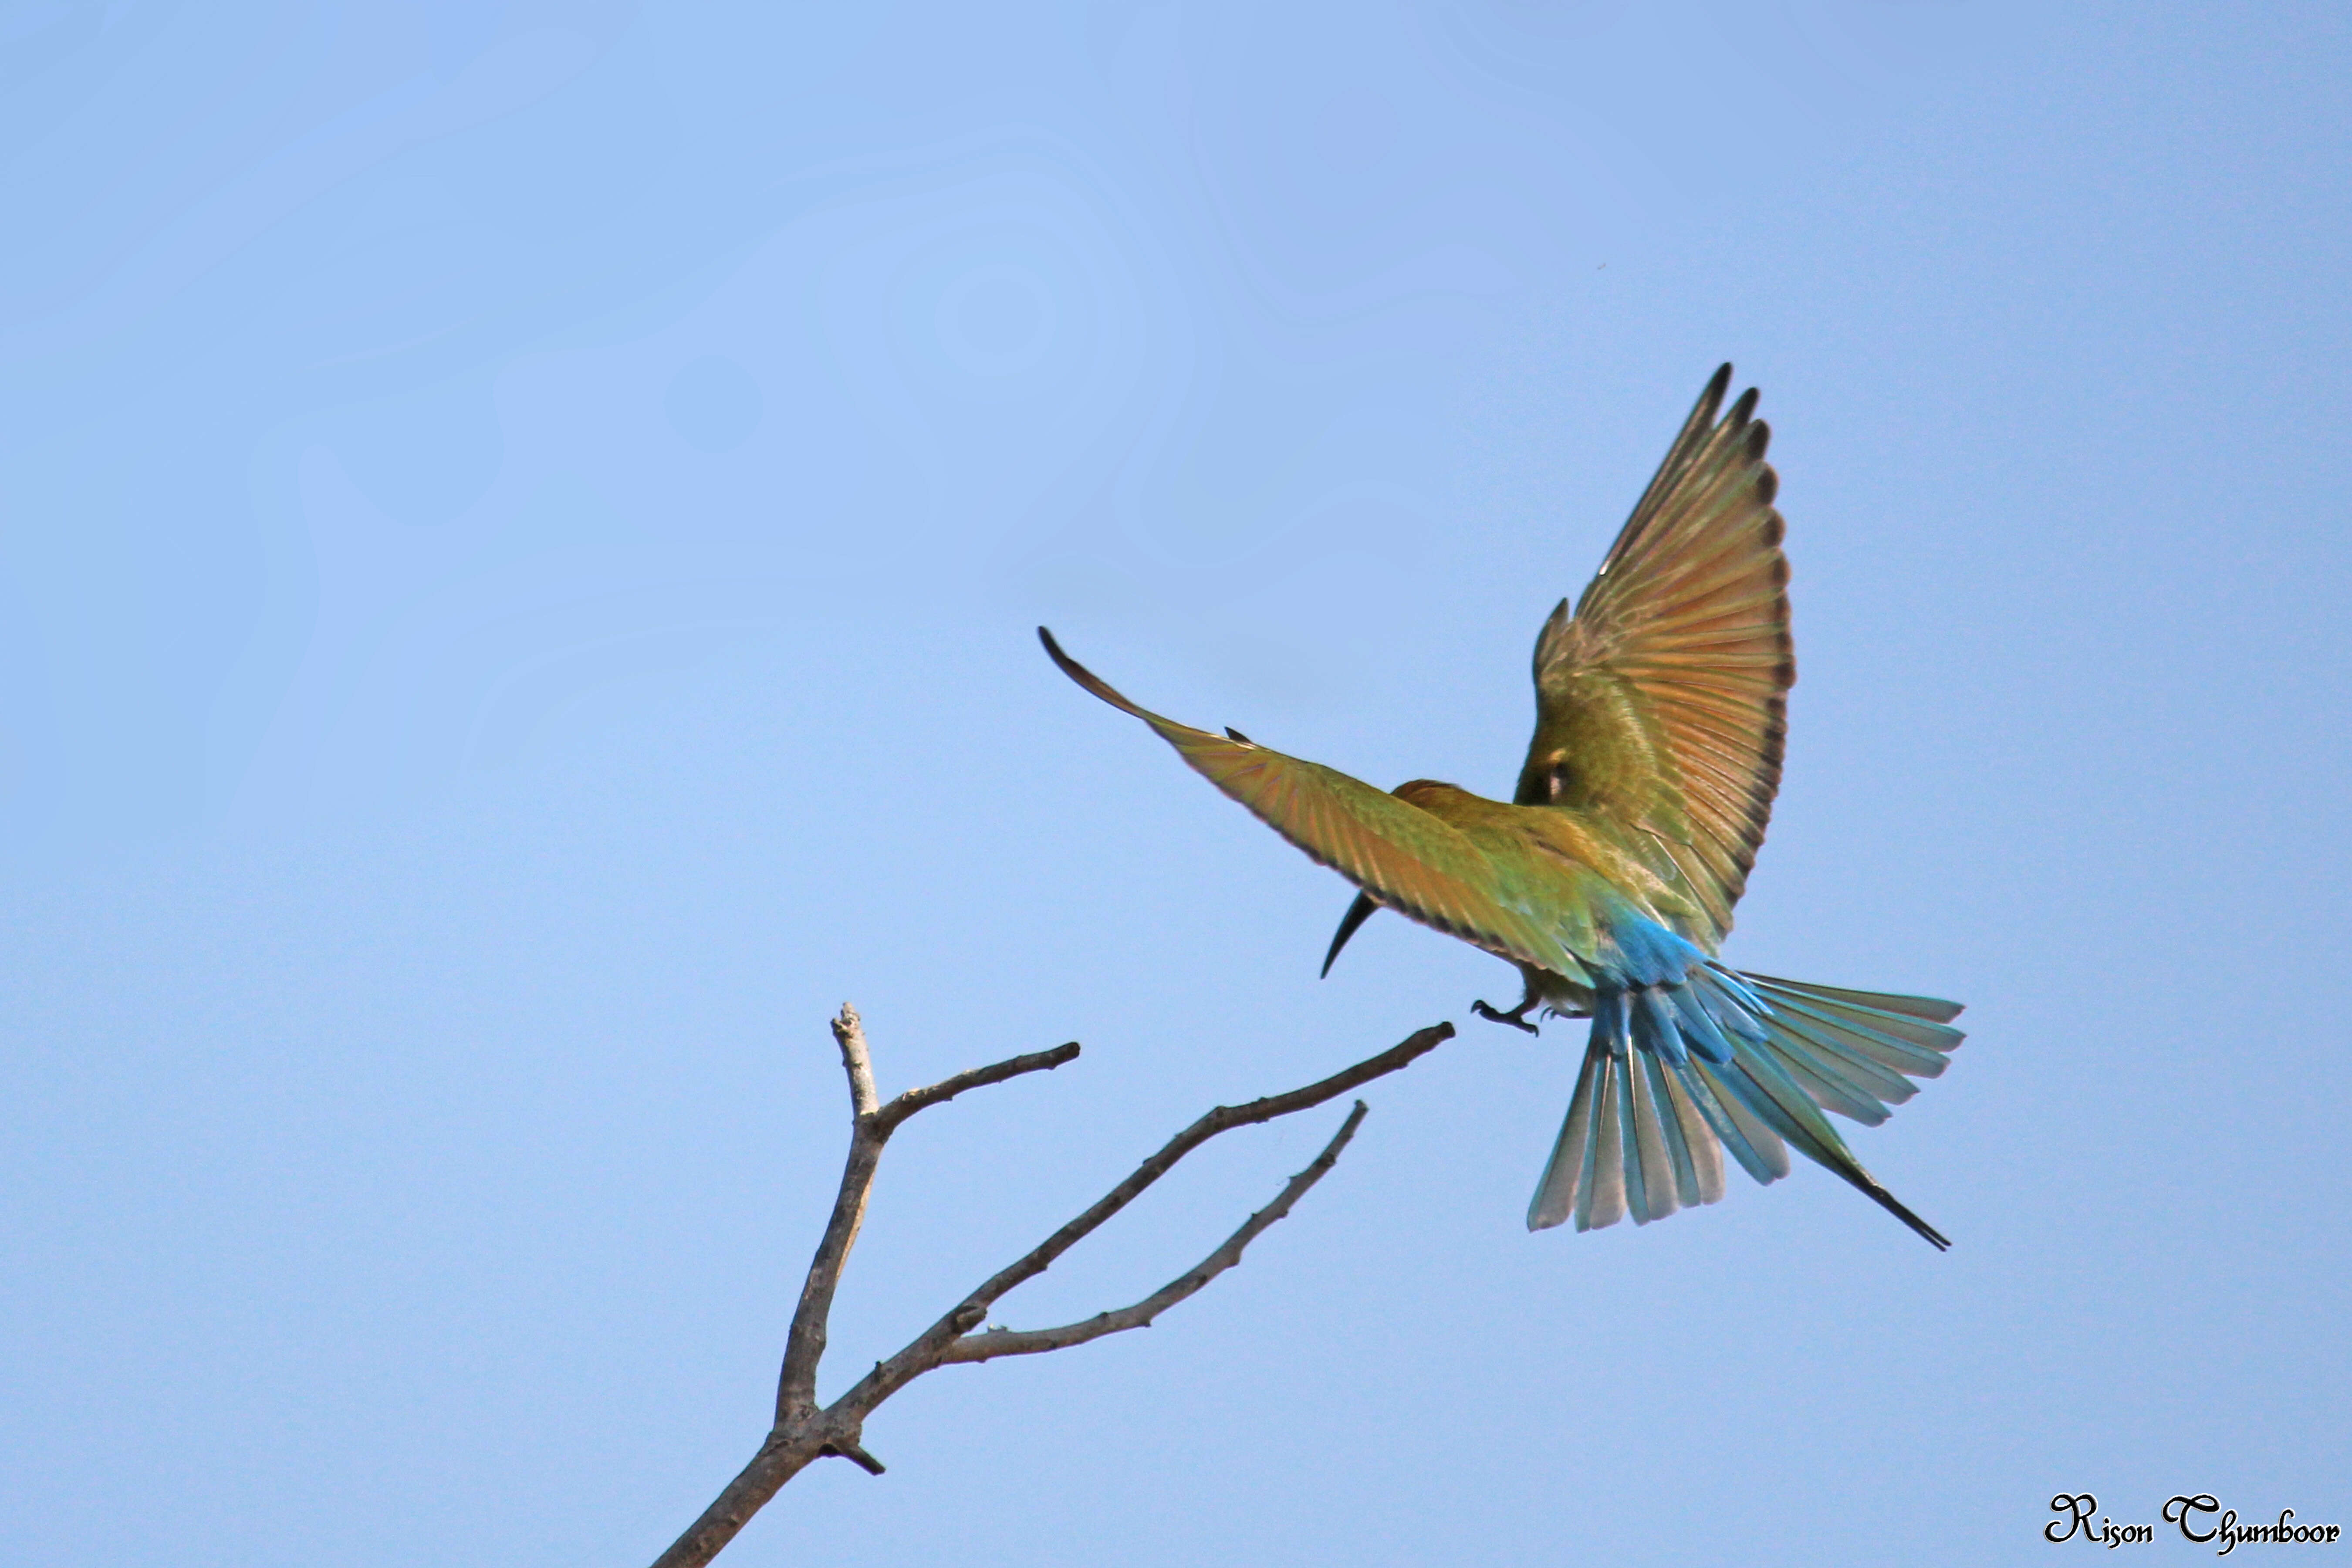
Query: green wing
point(1660, 704)
point(1406, 857)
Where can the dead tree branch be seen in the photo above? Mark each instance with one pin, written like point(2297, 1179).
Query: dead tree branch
point(803, 1432)
point(995, 1343)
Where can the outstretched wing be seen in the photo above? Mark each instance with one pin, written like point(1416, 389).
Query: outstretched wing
point(1661, 703)
point(1406, 857)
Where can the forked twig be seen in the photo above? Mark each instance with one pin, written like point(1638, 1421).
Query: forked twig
point(995, 1343)
point(803, 1432)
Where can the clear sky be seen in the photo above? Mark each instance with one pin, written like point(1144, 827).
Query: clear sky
point(522, 529)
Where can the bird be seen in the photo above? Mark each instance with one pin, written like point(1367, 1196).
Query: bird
point(1609, 877)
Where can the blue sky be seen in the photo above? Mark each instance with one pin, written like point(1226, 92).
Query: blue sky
point(521, 530)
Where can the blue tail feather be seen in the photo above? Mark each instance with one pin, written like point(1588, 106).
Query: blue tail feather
point(1700, 1031)
point(1932, 1008)
point(1656, 1028)
point(1647, 952)
point(1663, 1178)
point(1832, 1084)
point(1688, 1059)
point(1906, 1045)
point(1611, 1172)
point(1658, 1074)
point(1858, 1073)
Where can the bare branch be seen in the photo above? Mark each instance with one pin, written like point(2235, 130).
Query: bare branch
point(889, 1117)
point(1034, 1342)
point(1224, 1118)
point(871, 1124)
point(803, 1433)
point(779, 1458)
point(928, 1349)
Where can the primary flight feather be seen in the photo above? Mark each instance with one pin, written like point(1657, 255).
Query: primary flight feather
point(1609, 877)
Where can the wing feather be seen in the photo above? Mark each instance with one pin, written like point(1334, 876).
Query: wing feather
point(1661, 702)
point(1406, 857)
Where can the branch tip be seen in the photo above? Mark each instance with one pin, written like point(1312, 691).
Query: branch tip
point(888, 1119)
point(849, 1034)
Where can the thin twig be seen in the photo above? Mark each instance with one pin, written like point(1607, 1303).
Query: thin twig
point(995, 1343)
point(947, 1089)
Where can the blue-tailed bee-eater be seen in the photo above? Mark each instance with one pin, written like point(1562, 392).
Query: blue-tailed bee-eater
point(1609, 877)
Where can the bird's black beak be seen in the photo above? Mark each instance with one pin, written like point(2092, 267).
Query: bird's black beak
point(1357, 913)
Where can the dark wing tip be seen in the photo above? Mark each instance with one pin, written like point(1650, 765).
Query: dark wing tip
point(1745, 409)
point(1065, 663)
point(1086, 677)
point(1717, 386)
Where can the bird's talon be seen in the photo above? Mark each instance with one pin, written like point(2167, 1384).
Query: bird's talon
point(1514, 1019)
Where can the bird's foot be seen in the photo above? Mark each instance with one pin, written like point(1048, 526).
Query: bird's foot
point(1516, 1017)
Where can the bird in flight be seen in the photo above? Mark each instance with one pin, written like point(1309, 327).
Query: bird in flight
point(1609, 877)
